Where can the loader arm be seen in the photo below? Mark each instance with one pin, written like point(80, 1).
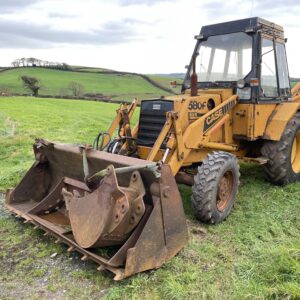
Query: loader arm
point(202, 129)
point(181, 141)
point(124, 114)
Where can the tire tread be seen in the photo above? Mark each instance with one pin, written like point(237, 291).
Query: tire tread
point(205, 183)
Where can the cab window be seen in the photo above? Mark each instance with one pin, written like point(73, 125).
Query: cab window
point(268, 70)
point(283, 73)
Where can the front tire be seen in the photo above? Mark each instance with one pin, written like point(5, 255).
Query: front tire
point(283, 156)
point(215, 187)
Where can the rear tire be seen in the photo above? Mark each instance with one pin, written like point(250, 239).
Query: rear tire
point(283, 165)
point(215, 187)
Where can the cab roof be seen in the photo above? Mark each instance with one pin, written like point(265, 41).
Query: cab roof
point(244, 25)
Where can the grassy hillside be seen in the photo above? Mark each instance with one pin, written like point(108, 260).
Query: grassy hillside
point(116, 86)
point(254, 254)
point(90, 69)
point(55, 82)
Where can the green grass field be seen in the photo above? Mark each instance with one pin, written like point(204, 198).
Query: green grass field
point(56, 82)
point(254, 254)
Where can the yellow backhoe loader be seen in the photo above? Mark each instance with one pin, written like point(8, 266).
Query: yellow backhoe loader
point(117, 202)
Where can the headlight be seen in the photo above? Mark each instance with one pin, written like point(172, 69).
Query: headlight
point(241, 83)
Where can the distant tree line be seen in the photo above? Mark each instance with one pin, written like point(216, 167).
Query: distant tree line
point(35, 62)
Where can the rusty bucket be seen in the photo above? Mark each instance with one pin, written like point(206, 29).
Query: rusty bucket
point(95, 201)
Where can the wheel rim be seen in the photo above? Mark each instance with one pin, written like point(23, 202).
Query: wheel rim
point(225, 188)
point(295, 153)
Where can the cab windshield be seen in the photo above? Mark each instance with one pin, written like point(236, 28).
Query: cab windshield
point(225, 57)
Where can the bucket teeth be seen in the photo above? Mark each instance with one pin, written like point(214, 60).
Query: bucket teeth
point(84, 258)
point(100, 268)
point(71, 249)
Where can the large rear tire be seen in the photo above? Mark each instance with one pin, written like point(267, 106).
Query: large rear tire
point(283, 164)
point(215, 187)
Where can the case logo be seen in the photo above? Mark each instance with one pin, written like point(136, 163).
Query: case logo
point(215, 116)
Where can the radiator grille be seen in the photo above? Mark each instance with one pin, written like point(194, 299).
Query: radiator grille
point(152, 120)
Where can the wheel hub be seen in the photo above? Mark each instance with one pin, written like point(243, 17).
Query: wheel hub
point(224, 193)
point(295, 153)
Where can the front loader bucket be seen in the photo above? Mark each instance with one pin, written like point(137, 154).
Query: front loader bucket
point(127, 222)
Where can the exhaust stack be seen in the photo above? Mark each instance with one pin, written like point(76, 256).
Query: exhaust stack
point(194, 79)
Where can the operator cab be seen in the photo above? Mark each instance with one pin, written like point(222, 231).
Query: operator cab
point(247, 56)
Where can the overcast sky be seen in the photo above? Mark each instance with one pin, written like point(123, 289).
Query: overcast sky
point(129, 35)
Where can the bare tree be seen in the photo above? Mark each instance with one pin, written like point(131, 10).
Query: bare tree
point(31, 61)
point(31, 83)
point(39, 62)
point(22, 61)
point(76, 88)
point(65, 66)
point(16, 63)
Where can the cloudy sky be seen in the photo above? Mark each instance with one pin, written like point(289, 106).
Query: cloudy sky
point(148, 36)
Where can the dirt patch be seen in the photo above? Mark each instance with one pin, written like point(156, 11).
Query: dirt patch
point(57, 282)
point(29, 270)
point(196, 230)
